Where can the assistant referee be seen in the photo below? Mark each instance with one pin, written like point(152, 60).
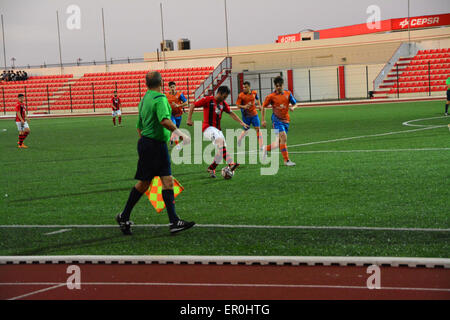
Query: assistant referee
point(154, 128)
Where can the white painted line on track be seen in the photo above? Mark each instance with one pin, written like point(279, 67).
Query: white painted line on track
point(199, 284)
point(37, 291)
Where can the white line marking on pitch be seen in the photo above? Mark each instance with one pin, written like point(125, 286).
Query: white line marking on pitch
point(373, 150)
point(56, 232)
point(236, 226)
point(37, 291)
point(181, 284)
point(351, 138)
point(407, 123)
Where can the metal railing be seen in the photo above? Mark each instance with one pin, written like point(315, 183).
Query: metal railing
point(80, 63)
point(208, 83)
point(82, 95)
point(404, 50)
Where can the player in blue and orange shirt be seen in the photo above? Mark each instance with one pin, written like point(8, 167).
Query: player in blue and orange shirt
point(247, 101)
point(282, 101)
point(177, 101)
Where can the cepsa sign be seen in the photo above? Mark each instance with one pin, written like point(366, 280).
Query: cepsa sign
point(421, 22)
point(289, 38)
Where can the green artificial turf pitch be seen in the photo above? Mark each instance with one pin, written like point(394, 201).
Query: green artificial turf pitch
point(357, 166)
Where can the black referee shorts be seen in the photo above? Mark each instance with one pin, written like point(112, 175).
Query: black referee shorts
point(448, 95)
point(154, 159)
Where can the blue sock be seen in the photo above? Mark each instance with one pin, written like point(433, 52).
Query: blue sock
point(169, 201)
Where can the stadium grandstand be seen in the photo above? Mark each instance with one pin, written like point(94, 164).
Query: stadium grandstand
point(388, 63)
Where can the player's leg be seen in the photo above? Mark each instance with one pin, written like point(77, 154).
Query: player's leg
point(114, 119)
point(25, 134)
point(244, 133)
point(447, 102)
point(257, 124)
point(119, 115)
point(177, 123)
point(283, 146)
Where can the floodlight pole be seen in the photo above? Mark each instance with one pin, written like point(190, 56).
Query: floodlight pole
point(162, 35)
point(4, 48)
point(226, 26)
point(59, 42)
point(104, 40)
point(409, 30)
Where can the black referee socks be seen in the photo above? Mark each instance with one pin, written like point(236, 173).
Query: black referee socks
point(169, 201)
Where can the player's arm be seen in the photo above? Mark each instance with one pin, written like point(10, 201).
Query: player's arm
point(199, 104)
point(293, 102)
point(257, 102)
point(263, 111)
point(240, 105)
point(237, 119)
point(184, 102)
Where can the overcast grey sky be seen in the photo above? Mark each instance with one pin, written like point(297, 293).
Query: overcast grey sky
point(134, 27)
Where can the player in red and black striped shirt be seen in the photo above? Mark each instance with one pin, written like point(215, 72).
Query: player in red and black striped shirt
point(116, 109)
point(22, 122)
point(213, 107)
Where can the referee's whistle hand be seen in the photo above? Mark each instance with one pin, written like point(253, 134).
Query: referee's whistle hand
point(186, 139)
point(189, 122)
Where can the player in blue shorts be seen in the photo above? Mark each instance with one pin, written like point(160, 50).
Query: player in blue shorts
point(246, 101)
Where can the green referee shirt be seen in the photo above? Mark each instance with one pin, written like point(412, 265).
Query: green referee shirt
point(153, 108)
point(448, 83)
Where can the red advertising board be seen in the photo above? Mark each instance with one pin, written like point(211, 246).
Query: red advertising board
point(289, 38)
point(421, 22)
point(436, 20)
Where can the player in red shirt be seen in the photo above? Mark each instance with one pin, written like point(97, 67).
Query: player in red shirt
point(282, 101)
point(213, 107)
point(22, 122)
point(116, 109)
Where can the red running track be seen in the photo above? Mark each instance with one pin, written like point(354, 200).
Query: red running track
point(220, 282)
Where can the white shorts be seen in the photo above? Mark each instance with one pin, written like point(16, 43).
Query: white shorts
point(116, 113)
point(22, 127)
point(212, 134)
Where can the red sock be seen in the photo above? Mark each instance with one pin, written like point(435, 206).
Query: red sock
point(120, 119)
point(21, 138)
point(114, 121)
point(284, 152)
point(226, 156)
point(213, 166)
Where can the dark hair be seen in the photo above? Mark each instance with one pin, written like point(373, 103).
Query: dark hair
point(153, 79)
point(171, 83)
point(223, 90)
point(247, 83)
point(20, 95)
point(278, 80)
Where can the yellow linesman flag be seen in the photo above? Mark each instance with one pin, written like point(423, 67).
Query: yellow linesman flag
point(154, 193)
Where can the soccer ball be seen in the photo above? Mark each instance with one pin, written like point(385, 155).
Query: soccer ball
point(227, 173)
